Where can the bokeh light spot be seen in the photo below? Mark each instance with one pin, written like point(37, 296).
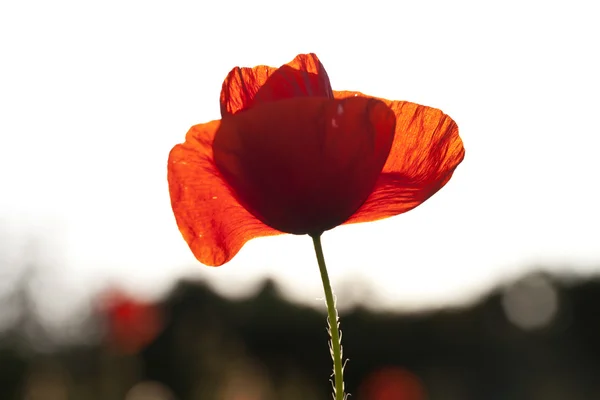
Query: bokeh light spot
point(149, 390)
point(531, 304)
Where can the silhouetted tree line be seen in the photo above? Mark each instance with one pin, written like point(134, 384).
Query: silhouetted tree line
point(210, 347)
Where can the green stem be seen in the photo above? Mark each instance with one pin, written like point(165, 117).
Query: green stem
point(335, 344)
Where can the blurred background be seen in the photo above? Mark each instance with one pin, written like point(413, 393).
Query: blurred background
point(489, 290)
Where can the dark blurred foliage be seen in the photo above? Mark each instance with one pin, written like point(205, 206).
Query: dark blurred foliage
point(203, 346)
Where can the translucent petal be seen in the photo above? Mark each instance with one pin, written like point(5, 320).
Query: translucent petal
point(245, 87)
point(425, 152)
point(211, 220)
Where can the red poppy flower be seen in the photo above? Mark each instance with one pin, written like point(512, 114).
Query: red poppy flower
point(290, 155)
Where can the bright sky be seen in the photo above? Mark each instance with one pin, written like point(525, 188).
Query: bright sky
point(93, 97)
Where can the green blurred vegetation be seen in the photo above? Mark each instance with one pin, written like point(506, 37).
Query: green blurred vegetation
point(198, 345)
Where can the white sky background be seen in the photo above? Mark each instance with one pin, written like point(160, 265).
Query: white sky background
point(92, 99)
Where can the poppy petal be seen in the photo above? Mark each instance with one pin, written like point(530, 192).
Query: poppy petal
point(212, 222)
point(245, 87)
point(305, 165)
point(425, 153)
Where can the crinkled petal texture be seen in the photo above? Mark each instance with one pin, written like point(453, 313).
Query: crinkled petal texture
point(211, 220)
point(425, 152)
point(244, 88)
point(305, 165)
point(290, 155)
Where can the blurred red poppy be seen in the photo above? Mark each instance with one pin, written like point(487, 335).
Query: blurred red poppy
point(391, 383)
point(290, 155)
point(131, 324)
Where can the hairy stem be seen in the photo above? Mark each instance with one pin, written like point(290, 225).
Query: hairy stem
point(335, 345)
